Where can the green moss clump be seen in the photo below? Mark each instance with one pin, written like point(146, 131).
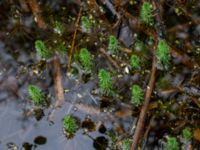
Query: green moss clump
point(146, 13)
point(105, 83)
point(36, 95)
point(163, 55)
point(70, 125)
point(42, 50)
point(85, 59)
point(135, 62)
point(171, 144)
point(126, 144)
point(86, 24)
point(113, 44)
point(137, 95)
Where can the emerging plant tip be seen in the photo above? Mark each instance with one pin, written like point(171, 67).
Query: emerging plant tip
point(113, 44)
point(146, 13)
point(171, 144)
point(70, 125)
point(187, 134)
point(135, 61)
point(36, 95)
point(41, 49)
point(85, 59)
point(163, 55)
point(137, 95)
point(59, 28)
point(126, 144)
point(86, 24)
point(105, 83)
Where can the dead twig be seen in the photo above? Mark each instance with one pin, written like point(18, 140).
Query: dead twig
point(71, 52)
point(113, 62)
point(58, 82)
point(145, 106)
point(37, 13)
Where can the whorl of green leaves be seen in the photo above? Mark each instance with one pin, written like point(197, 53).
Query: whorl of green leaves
point(135, 61)
point(146, 13)
point(86, 24)
point(70, 125)
point(41, 49)
point(163, 55)
point(137, 95)
point(36, 95)
point(126, 144)
point(59, 28)
point(187, 134)
point(85, 59)
point(105, 83)
point(171, 144)
point(113, 44)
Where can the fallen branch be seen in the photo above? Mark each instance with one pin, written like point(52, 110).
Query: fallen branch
point(73, 40)
point(37, 13)
point(58, 82)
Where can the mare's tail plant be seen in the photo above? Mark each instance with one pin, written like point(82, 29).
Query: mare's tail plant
point(85, 59)
point(146, 13)
point(86, 24)
point(135, 61)
point(36, 95)
point(42, 50)
point(113, 44)
point(105, 83)
point(137, 95)
point(70, 125)
point(171, 144)
point(163, 55)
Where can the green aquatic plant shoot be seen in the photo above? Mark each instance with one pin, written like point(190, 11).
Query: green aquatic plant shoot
point(105, 83)
point(163, 55)
point(171, 144)
point(187, 134)
point(113, 44)
point(59, 28)
point(137, 95)
point(36, 95)
point(146, 13)
point(70, 125)
point(86, 24)
point(41, 49)
point(135, 61)
point(85, 58)
point(126, 144)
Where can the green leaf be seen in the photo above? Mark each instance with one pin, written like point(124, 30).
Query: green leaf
point(187, 134)
point(126, 144)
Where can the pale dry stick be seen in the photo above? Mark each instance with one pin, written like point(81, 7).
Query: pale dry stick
point(58, 82)
point(143, 113)
point(73, 40)
point(113, 62)
point(37, 13)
